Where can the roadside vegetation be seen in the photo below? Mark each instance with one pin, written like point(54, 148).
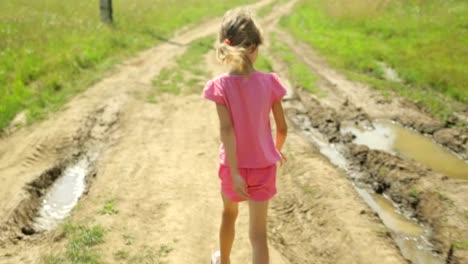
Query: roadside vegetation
point(109, 208)
point(82, 243)
point(262, 12)
point(423, 41)
point(267, 9)
point(299, 73)
point(188, 75)
point(80, 247)
point(52, 49)
point(263, 63)
point(146, 255)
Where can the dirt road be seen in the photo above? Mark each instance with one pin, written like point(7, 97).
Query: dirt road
point(158, 162)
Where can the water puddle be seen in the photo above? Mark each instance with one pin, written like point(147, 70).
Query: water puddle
point(408, 234)
point(395, 139)
point(389, 73)
point(328, 150)
point(63, 195)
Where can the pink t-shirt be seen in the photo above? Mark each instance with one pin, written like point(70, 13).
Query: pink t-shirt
point(249, 101)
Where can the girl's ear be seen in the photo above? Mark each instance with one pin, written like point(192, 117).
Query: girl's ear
point(252, 48)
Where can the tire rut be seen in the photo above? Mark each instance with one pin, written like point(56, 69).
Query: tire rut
point(435, 192)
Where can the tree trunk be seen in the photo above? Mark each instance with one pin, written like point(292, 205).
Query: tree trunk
point(106, 11)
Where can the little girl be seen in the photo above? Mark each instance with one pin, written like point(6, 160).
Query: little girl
point(244, 99)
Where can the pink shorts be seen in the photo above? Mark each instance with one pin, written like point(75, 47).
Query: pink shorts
point(261, 183)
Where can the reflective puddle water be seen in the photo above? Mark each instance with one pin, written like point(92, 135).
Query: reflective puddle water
point(63, 195)
point(393, 138)
point(328, 150)
point(409, 236)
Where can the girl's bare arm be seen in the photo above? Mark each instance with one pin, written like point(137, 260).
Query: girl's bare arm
point(229, 140)
point(227, 135)
point(281, 126)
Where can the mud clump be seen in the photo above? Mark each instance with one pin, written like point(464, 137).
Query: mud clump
point(325, 120)
point(349, 112)
point(387, 173)
point(424, 126)
point(454, 139)
point(328, 122)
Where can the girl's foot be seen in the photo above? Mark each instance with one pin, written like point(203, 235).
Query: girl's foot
point(216, 258)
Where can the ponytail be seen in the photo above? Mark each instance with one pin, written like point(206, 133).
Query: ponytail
point(238, 35)
point(234, 56)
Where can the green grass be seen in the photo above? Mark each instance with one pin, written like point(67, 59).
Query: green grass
point(263, 63)
point(462, 244)
point(262, 12)
point(150, 255)
point(445, 198)
point(52, 49)
point(188, 75)
point(266, 9)
point(147, 255)
point(128, 239)
point(383, 171)
point(53, 259)
point(121, 255)
point(309, 189)
point(422, 40)
point(300, 74)
point(109, 208)
point(414, 192)
point(81, 240)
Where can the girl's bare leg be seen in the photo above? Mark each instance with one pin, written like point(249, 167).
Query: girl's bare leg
point(227, 231)
point(258, 231)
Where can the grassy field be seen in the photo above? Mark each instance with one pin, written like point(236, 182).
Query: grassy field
point(299, 73)
point(424, 41)
point(52, 49)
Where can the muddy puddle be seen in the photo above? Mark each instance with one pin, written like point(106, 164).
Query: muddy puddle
point(63, 195)
point(410, 236)
point(328, 150)
point(395, 139)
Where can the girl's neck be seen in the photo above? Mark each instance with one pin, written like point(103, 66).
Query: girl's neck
point(246, 72)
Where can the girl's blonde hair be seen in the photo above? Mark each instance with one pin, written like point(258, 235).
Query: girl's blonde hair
point(237, 36)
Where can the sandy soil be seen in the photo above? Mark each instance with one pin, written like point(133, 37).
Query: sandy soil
point(158, 162)
point(441, 203)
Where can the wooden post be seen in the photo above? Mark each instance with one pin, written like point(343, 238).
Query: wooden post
point(106, 11)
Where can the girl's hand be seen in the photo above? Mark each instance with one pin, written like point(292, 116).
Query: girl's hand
point(240, 187)
point(283, 158)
